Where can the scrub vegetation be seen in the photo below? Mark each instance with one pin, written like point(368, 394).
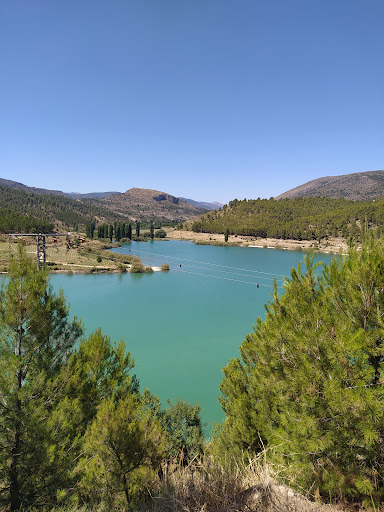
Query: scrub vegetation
point(304, 415)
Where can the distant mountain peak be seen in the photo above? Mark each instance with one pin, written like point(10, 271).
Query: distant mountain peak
point(45, 191)
point(202, 204)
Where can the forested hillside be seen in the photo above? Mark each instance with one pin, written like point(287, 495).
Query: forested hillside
point(26, 211)
point(137, 203)
point(22, 210)
point(297, 219)
point(46, 191)
point(21, 223)
point(35, 190)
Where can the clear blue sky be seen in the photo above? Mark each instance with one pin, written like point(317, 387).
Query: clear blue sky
point(206, 99)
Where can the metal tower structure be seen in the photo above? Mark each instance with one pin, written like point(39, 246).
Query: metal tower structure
point(41, 255)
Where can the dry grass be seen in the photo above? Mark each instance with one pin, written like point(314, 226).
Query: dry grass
point(70, 257)
point(211, 486)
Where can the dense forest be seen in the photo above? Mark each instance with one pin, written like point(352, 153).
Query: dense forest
point(26, 211)
point(11, 221)
point(296, 219)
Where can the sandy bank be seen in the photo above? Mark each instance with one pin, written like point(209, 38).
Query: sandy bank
point(332, 245)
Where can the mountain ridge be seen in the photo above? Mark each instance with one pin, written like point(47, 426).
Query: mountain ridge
point(140, 203)
point(203, 204)
point(359, 186)
point(96, 195)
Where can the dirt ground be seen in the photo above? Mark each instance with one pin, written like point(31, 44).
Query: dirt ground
point(76, 254)
point(331, 245)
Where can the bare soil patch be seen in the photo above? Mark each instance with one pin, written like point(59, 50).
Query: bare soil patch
point(331, 245)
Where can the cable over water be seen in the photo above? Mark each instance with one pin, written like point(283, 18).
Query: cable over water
point(208, 263)
point(221, 277)
point(255, 274)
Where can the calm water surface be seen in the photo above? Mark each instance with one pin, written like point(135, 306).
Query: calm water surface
point(181, 326)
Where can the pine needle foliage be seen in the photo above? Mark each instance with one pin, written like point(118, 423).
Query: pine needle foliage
point(310, 381)
point(53, 386)
point(36, 336)
point(123, 448)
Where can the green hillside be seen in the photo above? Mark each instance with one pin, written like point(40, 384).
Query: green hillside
point(26, 211)
point(296, 219)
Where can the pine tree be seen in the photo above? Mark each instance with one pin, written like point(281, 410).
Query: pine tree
point(309, 384)
point(182, 423)
point(118, 232)
point(99, 370)
point(123, 447)
point(49, 391)
point(35, 338)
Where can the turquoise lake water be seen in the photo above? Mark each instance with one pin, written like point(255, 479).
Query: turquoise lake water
point(182, 326)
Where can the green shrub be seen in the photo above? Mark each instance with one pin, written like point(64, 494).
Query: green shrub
point(160, 233)
point(137, 268)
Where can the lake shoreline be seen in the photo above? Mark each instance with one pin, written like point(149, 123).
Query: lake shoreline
point(75, 257)
point(332, 245)
point(84, 260)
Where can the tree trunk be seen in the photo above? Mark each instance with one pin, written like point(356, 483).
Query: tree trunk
point(14, 489)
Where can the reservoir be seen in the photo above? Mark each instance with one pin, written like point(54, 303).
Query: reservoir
point(182, 326)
